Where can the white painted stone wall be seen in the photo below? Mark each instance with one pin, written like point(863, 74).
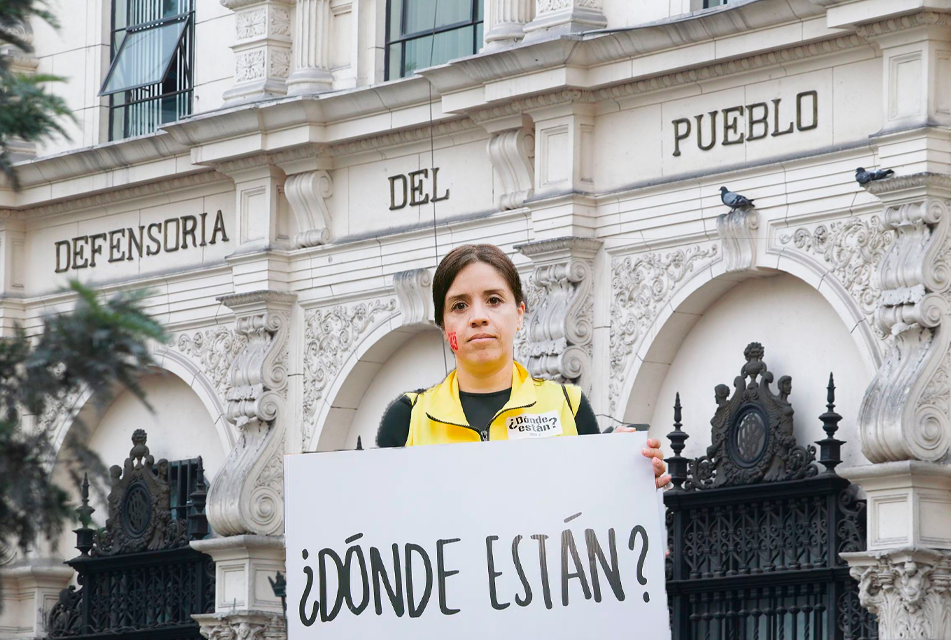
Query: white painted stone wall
point(561, 152)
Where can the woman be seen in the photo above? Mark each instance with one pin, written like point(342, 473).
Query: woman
point(479, 305)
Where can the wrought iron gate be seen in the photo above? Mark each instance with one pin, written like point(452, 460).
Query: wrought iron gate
point(139, 577)
point(755, 528)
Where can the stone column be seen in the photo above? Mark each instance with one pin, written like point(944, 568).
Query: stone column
point(312, 40)
point(30, 588)
point(507, 19)
point(559, 17)
point(905, 419)
point(262, 49)
point(555, 341)
point(245, 505)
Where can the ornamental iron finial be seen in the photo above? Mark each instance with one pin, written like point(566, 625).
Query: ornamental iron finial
point(677, 464)
point(830, 448)
point(84, 534)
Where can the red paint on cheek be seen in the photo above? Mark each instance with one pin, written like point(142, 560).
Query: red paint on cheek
point(453, 341)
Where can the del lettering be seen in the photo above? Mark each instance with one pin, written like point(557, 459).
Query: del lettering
point(412, 189)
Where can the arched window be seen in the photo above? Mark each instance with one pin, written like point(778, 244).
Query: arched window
point(424, 33)
point(149, 82)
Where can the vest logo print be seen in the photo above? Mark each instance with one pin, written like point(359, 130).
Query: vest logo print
point(539, 425)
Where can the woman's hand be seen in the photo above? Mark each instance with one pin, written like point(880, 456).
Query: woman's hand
point(652, 451)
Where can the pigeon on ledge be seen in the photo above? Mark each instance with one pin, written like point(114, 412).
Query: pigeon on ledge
point(863, 177)
point(734, 200)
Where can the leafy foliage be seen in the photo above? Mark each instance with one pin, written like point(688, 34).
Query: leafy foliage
point(27, 110)
point(97, 348)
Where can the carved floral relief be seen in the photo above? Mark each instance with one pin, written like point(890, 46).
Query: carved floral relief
point(330, 336)
point(641, 285)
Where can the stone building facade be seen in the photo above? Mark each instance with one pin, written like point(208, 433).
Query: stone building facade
point(287, 190)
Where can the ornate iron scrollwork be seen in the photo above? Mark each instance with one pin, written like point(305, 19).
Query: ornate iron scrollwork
point(752, 432)
point(754, 529)
point(138, 573)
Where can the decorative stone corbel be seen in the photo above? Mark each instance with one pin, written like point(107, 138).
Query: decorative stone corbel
point(414, 290)
point(307, 193)
point(262, 49)
point(512, 153)
point(559, 326)
point(508, 19)
point(559, 17)
point(247, 625)
point(312, 36)
point(247, 493)
point(736, 230)
point(905, 412)
point(908, 589)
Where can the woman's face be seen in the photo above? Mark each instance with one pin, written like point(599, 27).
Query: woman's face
point(481, 318)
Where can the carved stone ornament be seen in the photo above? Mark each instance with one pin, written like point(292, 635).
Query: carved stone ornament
point(246, 625)
point(852, 248)
point(262, 49)
point(736, 230)
point(237, 501)
point(307, 193)
point(139, 506)
point(640, 287)
point(908, 589)
point(752, 435)
point(330, 336)
point(214, 350)
point(414, 290)
point(512, 154)
point(555, 341)
point(904, 414)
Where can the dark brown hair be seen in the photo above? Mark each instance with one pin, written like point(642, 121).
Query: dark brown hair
point(460, 257)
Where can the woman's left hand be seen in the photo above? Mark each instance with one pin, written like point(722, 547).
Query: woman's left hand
point(652, 451)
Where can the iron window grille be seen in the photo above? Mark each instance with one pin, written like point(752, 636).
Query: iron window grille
point(150, 80)
point(183, 476)
point(424, 33)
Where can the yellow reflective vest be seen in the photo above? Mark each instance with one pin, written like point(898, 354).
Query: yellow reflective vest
point(536, 409)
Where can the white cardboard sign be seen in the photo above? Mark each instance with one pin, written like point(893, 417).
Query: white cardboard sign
point(538, 538)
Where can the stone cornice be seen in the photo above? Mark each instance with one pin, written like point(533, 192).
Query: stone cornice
point(902, 23)
point(264, 297)
point(235, 5)
point(403, 137)
point(567, 243)
point(904, 183)
point(111, 197)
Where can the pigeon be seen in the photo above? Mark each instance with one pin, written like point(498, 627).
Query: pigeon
point(864, 177)
point(734, 200)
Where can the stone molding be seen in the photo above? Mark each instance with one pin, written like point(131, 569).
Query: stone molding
point(414, 291)
point(331, 335)
point(641, 285)
point(512, 154)
point(247, 493)
point(407, 136)
point(111, 197)
point(909, 589)
point(307, 194)
point(852, 248)
point(736, 231)
point(903, 23)
point(556, 339)
point(906, 411)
